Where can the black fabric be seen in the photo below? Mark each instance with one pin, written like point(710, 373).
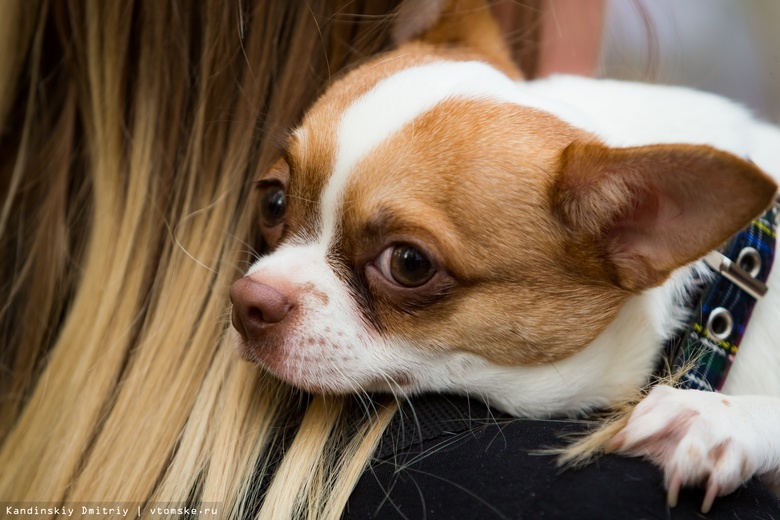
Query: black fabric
point(452, 458)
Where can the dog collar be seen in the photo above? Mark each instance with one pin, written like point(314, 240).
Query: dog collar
point(721, 304)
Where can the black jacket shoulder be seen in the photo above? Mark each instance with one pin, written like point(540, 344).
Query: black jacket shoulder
point(447, 457)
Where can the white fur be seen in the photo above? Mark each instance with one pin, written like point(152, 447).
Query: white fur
point(632, 114)
point(326, 336)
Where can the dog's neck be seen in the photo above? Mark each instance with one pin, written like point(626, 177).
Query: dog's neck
point(620, 360)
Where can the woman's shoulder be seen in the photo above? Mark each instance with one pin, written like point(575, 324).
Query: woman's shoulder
point(452, 457)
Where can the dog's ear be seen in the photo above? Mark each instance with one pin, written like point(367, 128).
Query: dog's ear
point(466, 24)
point(649, 210)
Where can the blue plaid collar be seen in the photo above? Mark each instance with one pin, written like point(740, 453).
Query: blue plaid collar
point(721, 305)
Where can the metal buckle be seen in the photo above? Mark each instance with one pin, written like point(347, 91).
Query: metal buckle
point(734, 273)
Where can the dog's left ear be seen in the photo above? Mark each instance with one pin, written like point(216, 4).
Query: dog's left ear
point(463, 24)
point(649, 210)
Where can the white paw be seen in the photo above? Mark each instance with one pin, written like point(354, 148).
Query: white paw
point(697, 438)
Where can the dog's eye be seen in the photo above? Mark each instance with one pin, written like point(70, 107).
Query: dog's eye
point(405, 265)
point(273, 204)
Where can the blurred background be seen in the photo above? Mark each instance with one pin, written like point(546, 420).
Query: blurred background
point(731, 47)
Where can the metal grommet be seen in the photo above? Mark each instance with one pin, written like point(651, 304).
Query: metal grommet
point(750, 261)
point(720, 324)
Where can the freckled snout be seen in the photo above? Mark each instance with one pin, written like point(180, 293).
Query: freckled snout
point(256, 307)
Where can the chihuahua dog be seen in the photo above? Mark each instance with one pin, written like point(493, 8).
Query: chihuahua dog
point(437, 224)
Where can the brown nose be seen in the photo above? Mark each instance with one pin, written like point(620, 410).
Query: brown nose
point(256, 306)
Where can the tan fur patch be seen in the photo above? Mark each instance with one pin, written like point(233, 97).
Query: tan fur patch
point(312, 148)
point(470, 180)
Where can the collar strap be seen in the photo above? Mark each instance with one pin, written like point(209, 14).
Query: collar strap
point(722, 304)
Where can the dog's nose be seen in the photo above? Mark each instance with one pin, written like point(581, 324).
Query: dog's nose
point(256, 306)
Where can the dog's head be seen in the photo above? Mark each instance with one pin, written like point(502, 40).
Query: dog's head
point(426, 207)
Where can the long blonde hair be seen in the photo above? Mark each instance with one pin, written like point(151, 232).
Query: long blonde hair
point(130, 134)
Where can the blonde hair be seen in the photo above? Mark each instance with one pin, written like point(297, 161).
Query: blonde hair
point(131, 134)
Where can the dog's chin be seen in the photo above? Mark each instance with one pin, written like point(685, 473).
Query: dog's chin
point(317, 384)
point(316, 378)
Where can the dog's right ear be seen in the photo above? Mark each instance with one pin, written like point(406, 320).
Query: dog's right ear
point(652, 209)
point(458, 24)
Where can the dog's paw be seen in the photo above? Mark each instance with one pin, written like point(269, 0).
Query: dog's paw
point(697, 438)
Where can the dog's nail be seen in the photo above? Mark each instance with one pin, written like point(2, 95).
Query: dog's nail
point(674, 490)
point(712, 492)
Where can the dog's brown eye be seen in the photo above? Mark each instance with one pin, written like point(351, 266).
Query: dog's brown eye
point(273, 205)
point(406, 265)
